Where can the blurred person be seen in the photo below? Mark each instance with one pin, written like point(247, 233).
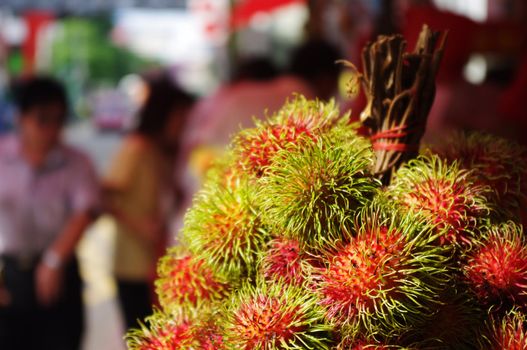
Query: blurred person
point(139, 194)
point(315, 62)
point(48, 197)
point(255, 69)
point(256, 87)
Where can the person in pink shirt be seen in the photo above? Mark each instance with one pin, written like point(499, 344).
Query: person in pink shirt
point(48, 196)
point(255, 90)
point(258, 90)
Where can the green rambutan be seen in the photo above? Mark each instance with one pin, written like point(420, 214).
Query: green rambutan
point(507, 333)
point(298, 122)
point(445, 195)
point(315, 190)
point(187, 282)
point(497, 269)
point(284, 260)
point(224, 229)
point(273, 316)
point(385, 278)
point(496, 162)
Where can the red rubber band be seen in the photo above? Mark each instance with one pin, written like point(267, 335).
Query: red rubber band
point(398, 147)
point(393, 133)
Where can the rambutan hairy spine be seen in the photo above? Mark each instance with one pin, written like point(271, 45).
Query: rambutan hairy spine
point(315, 190)
point(185, 282)
point(497, 268)
point(224, 229)
point(298, 122)
point(284, 260)
point(170, 331)
point(272, 316)
point(445, 195)
point(496, 162)
point(385, 279)
point(506, 333)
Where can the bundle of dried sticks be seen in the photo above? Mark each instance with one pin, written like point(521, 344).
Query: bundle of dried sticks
point(400, 90)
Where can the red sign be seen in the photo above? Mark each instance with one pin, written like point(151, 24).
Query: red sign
point(245, 10)
point(35, 21)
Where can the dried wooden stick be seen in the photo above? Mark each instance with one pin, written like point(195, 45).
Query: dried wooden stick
point(400, 90)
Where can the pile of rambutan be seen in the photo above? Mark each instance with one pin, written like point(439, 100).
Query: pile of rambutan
point(294, 242)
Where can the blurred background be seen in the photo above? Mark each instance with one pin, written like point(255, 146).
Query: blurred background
point(237, 57)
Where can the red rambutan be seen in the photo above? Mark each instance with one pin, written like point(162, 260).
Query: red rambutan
point(275, 316)
point(175, 331)
point(445, 195)
point(187, 282)
point(284, 260)
point(385, 280)
point(209, 336)
point(355, 273)
point(162, 332)
point(497, 269)
point(297, 122)
point(507, 333)
point(496, 162)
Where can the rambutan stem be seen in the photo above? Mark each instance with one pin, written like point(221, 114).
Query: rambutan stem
point(400, 90)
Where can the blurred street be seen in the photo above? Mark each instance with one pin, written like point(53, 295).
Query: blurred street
point(104, 327)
